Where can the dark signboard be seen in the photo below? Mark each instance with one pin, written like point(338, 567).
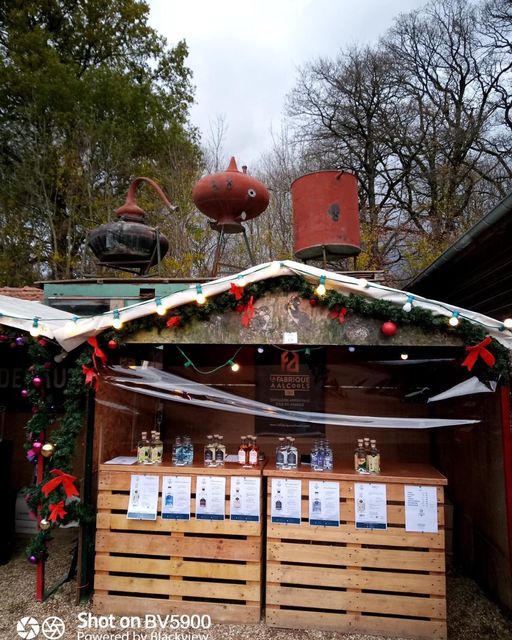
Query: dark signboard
point(293, 380)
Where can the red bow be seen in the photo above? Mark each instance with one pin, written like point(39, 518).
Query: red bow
point(339, 315)
point(92, 378)
point(247, 312)
point(61, 478)
point(237, 291)
point(57, 511)
point(479, 350)
point(174, 321)
point(97, 352)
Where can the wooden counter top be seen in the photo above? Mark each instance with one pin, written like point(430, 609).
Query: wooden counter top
point(166, 468)
point(393, 472)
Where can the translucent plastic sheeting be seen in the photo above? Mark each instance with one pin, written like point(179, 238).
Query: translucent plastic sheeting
point(167, 386)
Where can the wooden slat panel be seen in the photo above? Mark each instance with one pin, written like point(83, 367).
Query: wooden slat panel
point(393, 627)
point(108, 500)
point(167, 545)
point(350, 579)
point(131, 605)
point(396, 513)
point(178, 567)
point(392, 537)
point(105, 520)
point(350, 601)
point(373, 558)
point(221, 590)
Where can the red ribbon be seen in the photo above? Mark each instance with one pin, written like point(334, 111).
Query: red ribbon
point(61, 478)
point(174, 321)
point(339, 315)
point(57, 511)
point(479, 350)
point(92, 378)
point(237, 291)
point(97, 352)
point(248, 313)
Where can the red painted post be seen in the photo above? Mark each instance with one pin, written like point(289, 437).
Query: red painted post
point(506, 430)
point(40, 564)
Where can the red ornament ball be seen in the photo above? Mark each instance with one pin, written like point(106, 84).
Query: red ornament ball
point(42, 342)
point(389, 328)
point(312, 302)
point(112, 344)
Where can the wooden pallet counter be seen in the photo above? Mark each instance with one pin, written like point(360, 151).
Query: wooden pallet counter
point(204, 567)
point(384, 582)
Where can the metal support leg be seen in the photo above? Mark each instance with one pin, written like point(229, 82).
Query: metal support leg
point(251, 258)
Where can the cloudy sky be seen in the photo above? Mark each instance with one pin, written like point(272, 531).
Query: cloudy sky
point(244, 55)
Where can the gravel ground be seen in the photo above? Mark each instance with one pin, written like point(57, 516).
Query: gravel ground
point(471, 616)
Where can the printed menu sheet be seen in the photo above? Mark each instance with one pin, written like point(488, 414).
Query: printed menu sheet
point(324, 503)
point(286, 501)
point(370, 505)
point(420, 509)
point(210, 498)
point(176, 497)
point(245, 499)
point(143, 502)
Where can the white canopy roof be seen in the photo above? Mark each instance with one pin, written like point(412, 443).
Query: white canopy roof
point(70, 331)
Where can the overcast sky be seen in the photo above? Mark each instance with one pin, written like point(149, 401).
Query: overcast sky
point(244, 55)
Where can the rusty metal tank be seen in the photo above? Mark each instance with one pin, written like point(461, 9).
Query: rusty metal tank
point(230, 197)
point(325, 215)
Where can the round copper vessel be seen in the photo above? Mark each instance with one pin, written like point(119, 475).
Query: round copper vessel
point(230, 197)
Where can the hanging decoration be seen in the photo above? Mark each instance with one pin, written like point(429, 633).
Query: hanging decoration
point(479, 351)
point(389, 328)
point(338, 314)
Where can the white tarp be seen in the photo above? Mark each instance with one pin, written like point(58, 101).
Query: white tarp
point(466, 388)
point(167, 386)
point(71, 334)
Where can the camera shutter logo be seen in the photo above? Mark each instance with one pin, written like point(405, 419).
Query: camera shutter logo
point(27, 628)
point(53, 628)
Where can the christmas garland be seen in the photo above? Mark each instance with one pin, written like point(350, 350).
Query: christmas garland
point(52, 498)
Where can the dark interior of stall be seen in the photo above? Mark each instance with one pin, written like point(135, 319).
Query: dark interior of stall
point(356, 381)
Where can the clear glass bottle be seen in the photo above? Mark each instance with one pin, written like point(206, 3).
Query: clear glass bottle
point(373, 458)
point(143, 449)
point(157, 448)
point(176, 445)
point(360, 458)
point(292, 457)
point(179, 452)
point(188, 451)
point(220, 452)
point(253, 451)
point(328, 457)
point(209, 452)
point(280, 454)
point(366, 444)
point(319, 456)
point(242, 451)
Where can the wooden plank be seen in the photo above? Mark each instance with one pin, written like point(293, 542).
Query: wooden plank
point(218, 590)
point(363, 602)
point(392, 537)
point(395, 513)
point(178, 567)
point(372, 558)
point(394, 492)
point(119, 501)
point(105, 520)
point(167, 545)
point(220, 613)
point(392, 627)
point(354, 579)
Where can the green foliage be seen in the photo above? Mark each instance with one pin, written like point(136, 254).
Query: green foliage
point(90, 97)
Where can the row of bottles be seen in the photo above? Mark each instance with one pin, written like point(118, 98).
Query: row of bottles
point(366, 456)
point(287, 455)
point(150, 451)
point(214, 451)
point(321, 456)
point(248, 452)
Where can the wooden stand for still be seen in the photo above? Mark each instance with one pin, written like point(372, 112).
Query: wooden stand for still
point(389, 582)
point(194, 567)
